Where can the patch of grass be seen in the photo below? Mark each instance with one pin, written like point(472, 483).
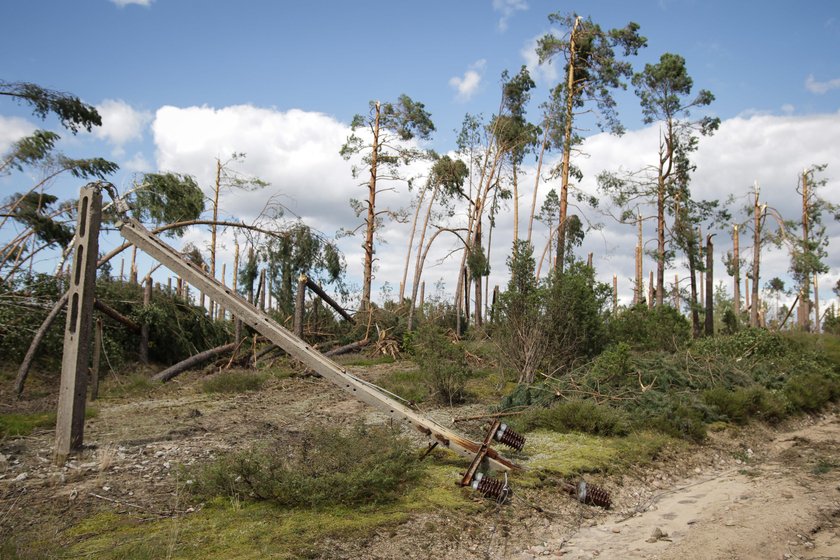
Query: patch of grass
point(824, 466)
point(577, 416)
point(234, 382)
point(409, 384)
point(567, 455)
point(364, 361)
point(135, 384)
point(23, 424)
point(326, 467)
point(226, 528)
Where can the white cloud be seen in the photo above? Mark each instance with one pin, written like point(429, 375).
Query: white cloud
point(297, 152)
point(121, 123)
point(507, 8)
point(137, 164)
point(545, 73)
point(820, 88)
point(468, 85)
point(124, 3)
point(13, 129)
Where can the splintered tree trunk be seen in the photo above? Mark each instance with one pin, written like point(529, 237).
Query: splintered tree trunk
point(736, 265)
point(213, 227)
point(237, 323)
point(710, 286)
point(692, 273)
point(300, 301)
point(411, 244)
point(754, 303)
point(567, 146)
point(371, 216)
point(143, 353)
point(805, 288)
point(537, 179)
point(615, 295)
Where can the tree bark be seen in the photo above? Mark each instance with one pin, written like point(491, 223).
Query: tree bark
point(371, 216)
point(26, 364)
point(144, 329)
point(182, 366)
point(710, 286)
point(736, 264)
point(567, 147)
point(756, 259)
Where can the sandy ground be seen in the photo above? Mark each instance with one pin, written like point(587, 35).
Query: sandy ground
point(748, 493)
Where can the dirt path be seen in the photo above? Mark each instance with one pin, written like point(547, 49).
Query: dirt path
point(782, 502)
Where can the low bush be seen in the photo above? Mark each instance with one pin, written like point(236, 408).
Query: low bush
point(810, 391)
point(577, 416)
point(643, 328)
point(742, 404)
point(442, 363)
point(324, 468)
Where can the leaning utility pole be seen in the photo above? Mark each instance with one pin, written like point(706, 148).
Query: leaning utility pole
point(70, 418)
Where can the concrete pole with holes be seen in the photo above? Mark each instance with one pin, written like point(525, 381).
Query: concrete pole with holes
point(70, 421)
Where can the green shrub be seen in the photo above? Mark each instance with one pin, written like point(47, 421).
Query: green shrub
point(442, 362)
point(234, 382)
point(680, 420)
point(657, 328)
point(809, 392)
point(742, 404)
point(577, 416)
point(324, 468)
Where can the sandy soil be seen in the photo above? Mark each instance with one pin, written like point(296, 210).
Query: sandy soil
point(748, 493)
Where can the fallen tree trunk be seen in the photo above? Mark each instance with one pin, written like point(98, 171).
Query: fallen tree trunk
point(347, 348)
point(193, 361)
point(330, 301)
point(23, 370)
point(106, 309)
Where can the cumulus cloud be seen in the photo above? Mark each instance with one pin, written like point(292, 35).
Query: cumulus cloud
point(297, 152)
point(507, 9)
point(469, 84)
point(820, 88)
point(544, 73)
point(121, 123)
point(13, 129)
point(124, 3)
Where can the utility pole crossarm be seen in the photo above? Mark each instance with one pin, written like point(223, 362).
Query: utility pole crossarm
point(135, 233)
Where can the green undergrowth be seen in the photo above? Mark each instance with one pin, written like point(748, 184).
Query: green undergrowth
point(752, 375)
point(23, 424)
point(572, 454)
point(361, 360)
point(227, 528)
point(234, 381)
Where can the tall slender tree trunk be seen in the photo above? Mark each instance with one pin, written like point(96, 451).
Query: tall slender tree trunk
point(638, 293)
point(371, 215)
point(411, 246)
point(710, 287)
point(567, 146)
point(692, 273)
point(736, 265)
point(805, 287)
point(420, 260)
point(537, 181)
point(214, 229)
point(756, 269)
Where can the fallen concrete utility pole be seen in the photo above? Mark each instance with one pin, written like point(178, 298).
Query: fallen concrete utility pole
point(135, 233)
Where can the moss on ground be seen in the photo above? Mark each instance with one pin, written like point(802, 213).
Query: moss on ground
point(226, 529)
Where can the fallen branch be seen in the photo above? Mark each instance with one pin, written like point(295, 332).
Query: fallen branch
point(106, 309)
point(347, 348)
point(193, 361)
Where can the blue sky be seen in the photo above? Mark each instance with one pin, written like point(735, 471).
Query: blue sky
point(181, 82)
